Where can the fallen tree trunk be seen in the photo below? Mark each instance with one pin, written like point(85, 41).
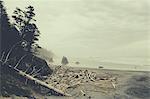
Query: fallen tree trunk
point(29, 77)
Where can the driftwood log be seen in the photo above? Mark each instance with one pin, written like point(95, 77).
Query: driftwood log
point(29, 77)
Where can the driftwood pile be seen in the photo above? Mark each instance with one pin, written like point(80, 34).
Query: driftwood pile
point(64, 78)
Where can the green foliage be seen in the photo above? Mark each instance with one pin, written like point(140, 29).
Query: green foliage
point(24, 22)
point(9, 34)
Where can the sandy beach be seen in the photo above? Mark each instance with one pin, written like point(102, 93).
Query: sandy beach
point(128, 85)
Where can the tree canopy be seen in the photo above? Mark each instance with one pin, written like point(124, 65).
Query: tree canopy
point(28, 31)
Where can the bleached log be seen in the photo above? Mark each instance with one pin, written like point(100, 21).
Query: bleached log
point(83, 93)
point(29, 77)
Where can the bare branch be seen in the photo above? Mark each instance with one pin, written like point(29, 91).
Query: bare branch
point(2, 55)
point(19, 61)
point(11, 49)
point(37, 71)
point(27, 69)
point(33, 70)
point(36, 74)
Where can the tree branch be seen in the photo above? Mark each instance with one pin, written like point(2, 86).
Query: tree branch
point(19, 61)
point(2, 55)
point(11, 49)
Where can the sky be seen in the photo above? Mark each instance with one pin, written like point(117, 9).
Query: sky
point(109, 29)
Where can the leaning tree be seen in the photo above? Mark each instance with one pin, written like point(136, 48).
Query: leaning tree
point(25, 23)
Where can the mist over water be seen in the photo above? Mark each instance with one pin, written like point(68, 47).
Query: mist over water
point(94, 32)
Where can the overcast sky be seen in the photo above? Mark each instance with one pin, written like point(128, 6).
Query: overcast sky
point(92, 28)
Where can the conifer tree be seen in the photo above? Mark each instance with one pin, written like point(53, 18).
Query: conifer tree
point(9, 34)
point(28, 31)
